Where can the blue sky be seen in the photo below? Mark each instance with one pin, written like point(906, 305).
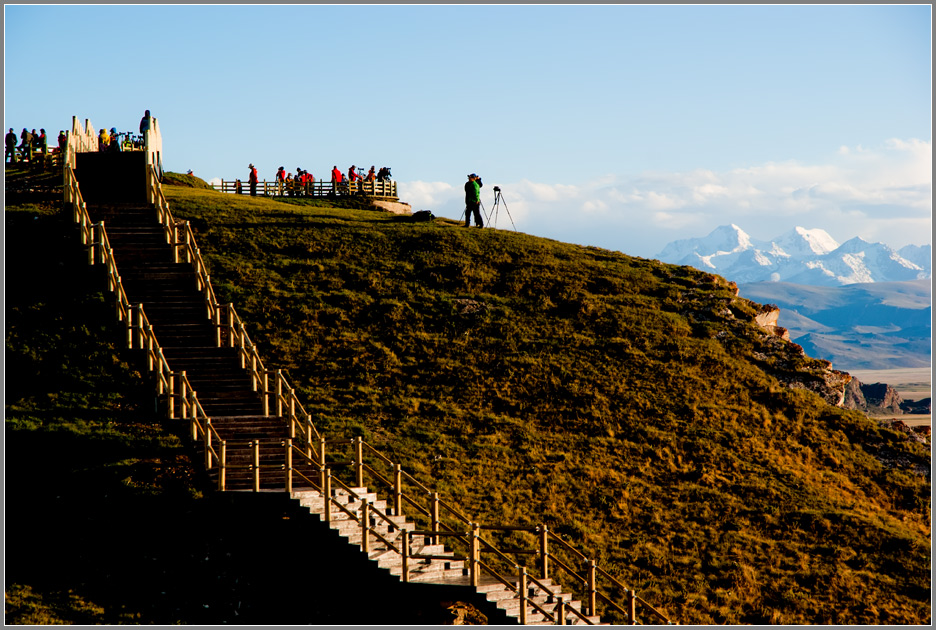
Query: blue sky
point(621, 126)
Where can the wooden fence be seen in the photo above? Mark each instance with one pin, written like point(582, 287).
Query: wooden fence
point(380, 189)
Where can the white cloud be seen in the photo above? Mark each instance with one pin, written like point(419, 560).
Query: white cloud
point(427, 194)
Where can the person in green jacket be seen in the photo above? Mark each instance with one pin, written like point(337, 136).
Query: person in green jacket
point(473, 200)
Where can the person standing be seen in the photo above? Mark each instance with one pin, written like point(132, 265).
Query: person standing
point(146, 122)
point(25, 145)
point(252, 180)
point(10, 147)
point(336, 178)
point(280, 180)
point(62, 141)
point(473, 200)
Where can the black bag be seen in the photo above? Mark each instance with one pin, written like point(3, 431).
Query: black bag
point(422, 215)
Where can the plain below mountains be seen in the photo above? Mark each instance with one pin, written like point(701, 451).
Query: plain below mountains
point(879, 325)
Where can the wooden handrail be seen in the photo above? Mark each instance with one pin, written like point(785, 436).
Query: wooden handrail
point(416, 483)
point(378, 454)
point(552, 536)
point(497, 576)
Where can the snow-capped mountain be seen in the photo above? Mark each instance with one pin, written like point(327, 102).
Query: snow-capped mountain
point(802, 256)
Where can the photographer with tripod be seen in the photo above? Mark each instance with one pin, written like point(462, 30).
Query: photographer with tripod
point(473, 200)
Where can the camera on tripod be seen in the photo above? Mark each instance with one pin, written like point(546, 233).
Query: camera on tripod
point(497, 189)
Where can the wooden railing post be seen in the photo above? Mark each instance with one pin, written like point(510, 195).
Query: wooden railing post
point(359, 462)
point(292, 402)
point(308, 430)
point(188, 242)
point(172, 378)
point(560, 612)
point(473, 555)
point(174, 236)
point(138, 309)
point(434, 515)
point(191, 404)
point(222, 473)
point(289, 466)
point(279, 393)
point(207, 443)
point(631, 607)
point(522, 592)
point(92, 245)
point(230, 326)
point(397, 490)
point(405, 553)
point(217, 324)
point(256, 464)
point(544, 550)
point(183, 393)
point(128, 321)
point(266, 393)
point(592, 591)
point(321, 453)
point(326, 493)
point(365, 526)
point(242, 344)
point(150, 340)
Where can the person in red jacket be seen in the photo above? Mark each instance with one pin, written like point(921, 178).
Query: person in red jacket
point(336, 178)
point(253, 180)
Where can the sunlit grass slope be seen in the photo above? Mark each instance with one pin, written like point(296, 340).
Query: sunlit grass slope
point(619, 400)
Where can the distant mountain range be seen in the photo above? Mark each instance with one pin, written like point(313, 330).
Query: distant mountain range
point(799, 256)
point(860, 305)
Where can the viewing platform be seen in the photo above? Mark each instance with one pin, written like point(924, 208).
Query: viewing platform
point(378, 189)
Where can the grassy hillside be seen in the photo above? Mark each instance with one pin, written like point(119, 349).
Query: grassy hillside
point(621, 401)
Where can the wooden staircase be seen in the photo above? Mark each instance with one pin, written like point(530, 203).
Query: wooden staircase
point(443, 568)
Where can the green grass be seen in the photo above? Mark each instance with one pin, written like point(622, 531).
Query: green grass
point(621, 401)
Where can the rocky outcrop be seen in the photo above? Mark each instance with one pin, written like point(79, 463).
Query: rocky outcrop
point(873, 398)
point(923, 406)
point(767, 318)
point(395, 207)
point(787, 362)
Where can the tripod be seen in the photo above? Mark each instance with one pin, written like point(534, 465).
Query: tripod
point(498, 199)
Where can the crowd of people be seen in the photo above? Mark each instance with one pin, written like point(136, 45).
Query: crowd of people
point(302, 184)
point(33, 147)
